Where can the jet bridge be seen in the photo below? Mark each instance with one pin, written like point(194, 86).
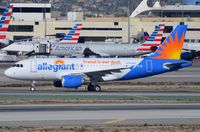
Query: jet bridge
point(28, 48)
point(42, 48)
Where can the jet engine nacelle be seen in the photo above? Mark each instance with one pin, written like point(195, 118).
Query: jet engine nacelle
point(72, 81)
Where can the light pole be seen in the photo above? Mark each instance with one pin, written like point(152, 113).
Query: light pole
point(45, 22)
point(182, 12)
point(128, 14)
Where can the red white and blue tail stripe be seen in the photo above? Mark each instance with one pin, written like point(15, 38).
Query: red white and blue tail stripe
point(4, 22)
point(154, 40)
point(73, 35)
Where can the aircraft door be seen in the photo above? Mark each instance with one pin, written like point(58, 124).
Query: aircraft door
point(149, 66)
point(42, 48)
point(33, 66)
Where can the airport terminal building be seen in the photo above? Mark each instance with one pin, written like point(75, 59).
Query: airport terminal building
point(35, 20)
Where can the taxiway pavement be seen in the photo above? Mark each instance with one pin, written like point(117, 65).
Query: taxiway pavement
point(99, 114)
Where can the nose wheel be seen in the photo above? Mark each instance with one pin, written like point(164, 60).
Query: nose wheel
point(93, 87)
point(32, 88)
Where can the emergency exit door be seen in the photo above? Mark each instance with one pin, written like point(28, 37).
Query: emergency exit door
point(33, 66)
point(149, 65)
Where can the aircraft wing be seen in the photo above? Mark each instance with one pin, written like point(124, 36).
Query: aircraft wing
point(98, 75)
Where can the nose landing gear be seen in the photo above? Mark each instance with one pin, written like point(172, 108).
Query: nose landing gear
point(32, 88)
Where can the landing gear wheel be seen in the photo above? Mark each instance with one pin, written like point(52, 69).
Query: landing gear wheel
point(32, 89)
point(92, 87)
point(97, 88)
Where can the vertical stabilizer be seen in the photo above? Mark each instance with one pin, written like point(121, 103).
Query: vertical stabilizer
point(172, 46)
point(73, 36)
point(154, 40)
point(4, 22)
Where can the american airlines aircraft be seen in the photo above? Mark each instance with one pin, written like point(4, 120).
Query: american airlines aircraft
point(72, 72)
point(28, 47)
point(110, 50)
point(4, 24)
point(192, 46)
point(190, 50)
point(93, 49)
point(71, 37)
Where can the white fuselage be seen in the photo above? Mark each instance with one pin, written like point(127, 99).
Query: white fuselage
point(192, 46)
point(89, 49)
point(102, 49)
point(54, 68)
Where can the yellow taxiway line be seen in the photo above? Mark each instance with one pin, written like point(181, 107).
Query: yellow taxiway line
point(115, 121)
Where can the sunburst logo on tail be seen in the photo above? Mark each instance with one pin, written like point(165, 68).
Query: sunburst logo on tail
point(171, 49)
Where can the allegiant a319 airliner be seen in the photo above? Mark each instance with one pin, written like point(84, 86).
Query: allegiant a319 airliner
point(72, 72)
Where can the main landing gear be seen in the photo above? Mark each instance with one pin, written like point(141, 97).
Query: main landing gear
point(32, 88)
point(93, 87)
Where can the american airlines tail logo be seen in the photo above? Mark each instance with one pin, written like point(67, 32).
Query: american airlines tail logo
point(154, 40)
point(73, 36)
point(4, 22)
point(59, 65)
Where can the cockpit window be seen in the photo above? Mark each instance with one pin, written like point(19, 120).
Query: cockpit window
point(18, 65)
point(15, 65)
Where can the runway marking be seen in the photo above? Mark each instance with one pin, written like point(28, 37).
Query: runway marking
point(115, 121)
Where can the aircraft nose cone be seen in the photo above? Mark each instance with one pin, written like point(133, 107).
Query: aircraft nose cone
point(8, 73)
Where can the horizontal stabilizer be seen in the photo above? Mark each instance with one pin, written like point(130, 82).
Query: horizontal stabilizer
point(174, 65)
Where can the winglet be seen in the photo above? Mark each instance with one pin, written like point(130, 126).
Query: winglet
point(172, 46)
